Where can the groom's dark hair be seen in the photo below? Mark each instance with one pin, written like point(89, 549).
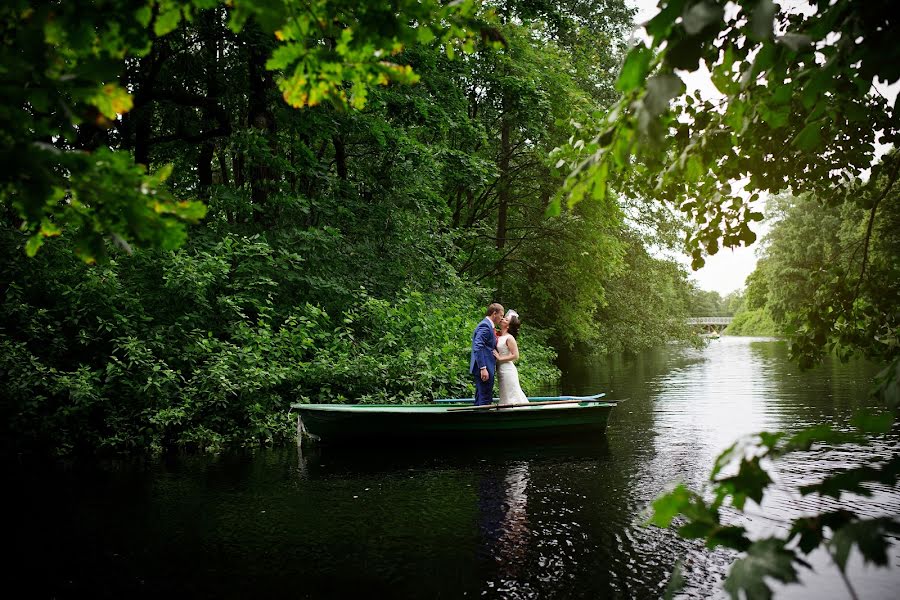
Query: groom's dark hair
point(494, 308)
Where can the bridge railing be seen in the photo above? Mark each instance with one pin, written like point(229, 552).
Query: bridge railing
point(709, 320)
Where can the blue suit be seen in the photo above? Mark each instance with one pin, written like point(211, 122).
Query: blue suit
point(483, 344)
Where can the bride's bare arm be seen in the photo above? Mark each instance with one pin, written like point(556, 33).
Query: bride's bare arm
point(513, 349)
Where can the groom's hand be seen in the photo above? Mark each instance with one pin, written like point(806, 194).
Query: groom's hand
point(484, 374)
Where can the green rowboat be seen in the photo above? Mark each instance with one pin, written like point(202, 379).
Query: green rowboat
point(546, 416)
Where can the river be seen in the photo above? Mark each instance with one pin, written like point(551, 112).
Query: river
point(527, 520)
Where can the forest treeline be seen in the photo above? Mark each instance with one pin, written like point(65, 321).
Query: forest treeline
point(345, 253)
point(828, 277)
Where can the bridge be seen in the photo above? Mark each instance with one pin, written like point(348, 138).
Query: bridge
point(710, 324)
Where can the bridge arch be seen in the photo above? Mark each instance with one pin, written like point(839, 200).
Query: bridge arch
point(710, 324)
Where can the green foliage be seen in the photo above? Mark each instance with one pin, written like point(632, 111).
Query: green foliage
point(827, 279)
point(644, 305)
point(344, 253)
point(62, 93)
point(197, 349)
point(796, 110)
point(738, 477)
point(757, 322)
point(337, 50)
point(764, 558)
point(706, 303)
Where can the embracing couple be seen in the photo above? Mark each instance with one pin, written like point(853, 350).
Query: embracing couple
point(495, 352)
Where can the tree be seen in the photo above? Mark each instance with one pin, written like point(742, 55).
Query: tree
point(62, 94)
point(797, 111)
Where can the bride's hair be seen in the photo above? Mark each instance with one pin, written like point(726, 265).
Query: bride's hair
point(514, 324)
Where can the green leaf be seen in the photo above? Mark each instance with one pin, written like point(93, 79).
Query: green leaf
point(34, 244)
point(887, 385)
point(852, 480)
point(599, 180)
point(725, 457)
point(635, 69)
point(765, 558)
point(697, 261)
point(722, 75)
point(696, 529)
point(167, 21)
point(810, 137)
point(667, 506)
point(111, 100)
point(701, 15)
point(162, 173)
point(693, 170)
point(795, 41)
point(870, 538)
point(730, 536)
point(746, 235)
point(762, 21)
point(776, 117)
point(660, 25)
point(805, 438)
point(554, 208)
point(424, 34)
point(750, 482)
point(809, 531)
point(143, 15)
point(685, 53)
point(660, 91)
point(676, 581)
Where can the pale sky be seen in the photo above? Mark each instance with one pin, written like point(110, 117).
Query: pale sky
point(725, 271)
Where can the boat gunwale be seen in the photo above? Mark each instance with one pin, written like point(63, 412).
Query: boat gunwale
point(440, 409)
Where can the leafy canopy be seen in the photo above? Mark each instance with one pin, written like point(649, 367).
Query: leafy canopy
point(796, 109)
point(61, 92)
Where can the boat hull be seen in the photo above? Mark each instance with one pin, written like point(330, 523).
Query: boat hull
point(429, 422)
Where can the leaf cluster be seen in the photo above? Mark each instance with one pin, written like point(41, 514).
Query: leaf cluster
point(740, 474)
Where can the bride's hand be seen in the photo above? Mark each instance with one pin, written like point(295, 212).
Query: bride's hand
point(496, 354)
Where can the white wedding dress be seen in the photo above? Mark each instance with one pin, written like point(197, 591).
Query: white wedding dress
point(510, 390)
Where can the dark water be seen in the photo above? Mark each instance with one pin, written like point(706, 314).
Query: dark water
point(535, 520)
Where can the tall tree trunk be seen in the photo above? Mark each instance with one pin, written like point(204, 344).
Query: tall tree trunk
point(340, 156)
point(259, 117)
point(209, 31)
point(143, 130)
point(293, 175)
point(457, 208)
point(503, 183)
point(223, 167)
point(204, 168)
point(139, 120)
point(238, 163)
point(503, 194)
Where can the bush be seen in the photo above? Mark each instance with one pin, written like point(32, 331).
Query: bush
point(756, 322)
point(195, 350)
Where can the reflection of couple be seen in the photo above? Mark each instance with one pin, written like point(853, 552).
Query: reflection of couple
point(493, 352)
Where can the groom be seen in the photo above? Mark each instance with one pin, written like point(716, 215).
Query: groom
point(482, 363)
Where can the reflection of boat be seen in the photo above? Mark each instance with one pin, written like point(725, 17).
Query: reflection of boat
point(351, 422)
point(404, 456)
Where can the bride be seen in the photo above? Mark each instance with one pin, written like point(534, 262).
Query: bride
point(506, 353)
